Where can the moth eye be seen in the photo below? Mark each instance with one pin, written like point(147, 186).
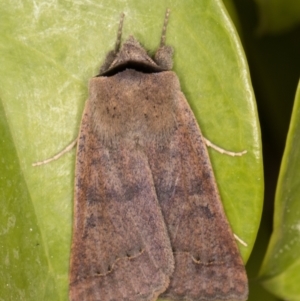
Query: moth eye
point(109, 268)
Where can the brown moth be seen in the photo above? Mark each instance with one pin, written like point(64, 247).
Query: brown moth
point(148, 219)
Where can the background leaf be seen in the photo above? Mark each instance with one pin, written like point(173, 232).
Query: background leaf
point(281, 267)
point(277, 16)
point(49, 50)
point(274, 65)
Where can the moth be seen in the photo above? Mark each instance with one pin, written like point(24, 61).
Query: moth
point(148, 218)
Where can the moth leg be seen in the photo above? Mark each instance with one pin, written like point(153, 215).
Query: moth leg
point(223, 151)
point(57, 156)
point(240, 240)
point(234, 154)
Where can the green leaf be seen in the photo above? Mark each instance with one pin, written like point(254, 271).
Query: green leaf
point(278, 16)
point(48, 52)
point(281, 267)
point(24, 271)
point(231, 9)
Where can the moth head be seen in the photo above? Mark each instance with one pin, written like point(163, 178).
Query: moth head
point(132, 56)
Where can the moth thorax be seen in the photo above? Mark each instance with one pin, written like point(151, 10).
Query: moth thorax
point(134, 105)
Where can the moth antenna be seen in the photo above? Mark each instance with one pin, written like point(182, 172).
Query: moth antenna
point(119, 35)
point(163, 35)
